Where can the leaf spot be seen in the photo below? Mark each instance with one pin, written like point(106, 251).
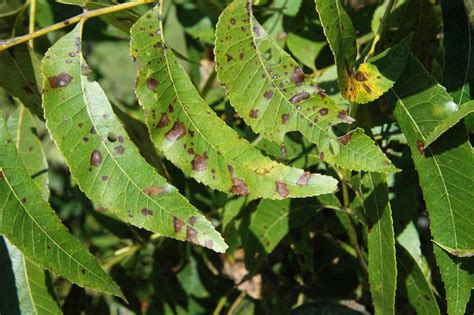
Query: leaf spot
point(154, 190)
point(304, 179)
point(164, 121)
point(268, 94)
point(177, 132)
point(147, 212)
point(192, 220)
point(96, 158)
point(284, 118)
point(324, 111)
point(420, 145)
point(152, 83)
point(345, 139)
point(177, 224)
point(120, 149)
point(282, 189)
point(253, 113)
point(61, 80)
point(301, 96)
point(298, 76)
point(191, 235)
point(199, 162)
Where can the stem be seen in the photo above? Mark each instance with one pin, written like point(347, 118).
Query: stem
point(381, 28)
point(31, 28)
point(85, 15)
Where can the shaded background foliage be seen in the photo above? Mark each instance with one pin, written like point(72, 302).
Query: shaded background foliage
point(305, 256)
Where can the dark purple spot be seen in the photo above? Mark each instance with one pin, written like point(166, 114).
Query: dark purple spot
point(105, 178)
point(92, 131)
point(241, 55)
point(253, 113)
point(323, 111)
point(152, 83)
point(344, 117)
point(191, 235)
point(1, 175)
point(177, 224)
point(229, 57)
point(153, 191)
point(120, 139)
point(177, 132)
point(147, 212)
point(301, 96)
point(361, 76)
point(282, 189)
point(192, 220)
point(164, 121)
point(239, 187)
point(80, 125)
point(199, 162)
point(23, 200)
point(304, 179)
point(61, 80)
point(170, 108)
point(96, 158)
point(321, 156)
point(345, 139)
point(268, 94)
point(298, 76)
point(120, 149)
point(420, 145)
point(284, 118)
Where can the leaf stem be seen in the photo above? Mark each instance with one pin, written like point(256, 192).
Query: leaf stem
point(381, 28)
point(31, 28)
point(85, 15)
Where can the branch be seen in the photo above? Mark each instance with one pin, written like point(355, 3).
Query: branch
point(85, 15)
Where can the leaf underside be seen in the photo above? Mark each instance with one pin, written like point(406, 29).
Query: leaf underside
point(101, 157)
point(183, 127)
point(273, 95)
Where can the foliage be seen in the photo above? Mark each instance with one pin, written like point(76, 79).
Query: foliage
point(238, 157)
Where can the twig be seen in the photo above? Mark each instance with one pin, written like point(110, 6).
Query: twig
point(381, 28)
point(31, 28)
point(85, 15)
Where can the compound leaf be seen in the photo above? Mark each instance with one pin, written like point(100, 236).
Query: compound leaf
point(420, 104)
point(183, 126)
point(274, 96)
point(101, 157)
point(32, 226)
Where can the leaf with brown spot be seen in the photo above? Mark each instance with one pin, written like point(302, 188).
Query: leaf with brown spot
point(297, 103)
point(205, 141)
point(129, 174)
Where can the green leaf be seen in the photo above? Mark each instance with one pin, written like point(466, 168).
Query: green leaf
point(32, 226)
point(304, 48)
point(183, 127)
point(22, 127)
point(420, 104)
point(368, 81)
point(273, 95)
point(459, 252)
point(101, 157)
point(24, 76)
point(381, 243)
point(270, 223)
point(458, 41)
point(414, 285)
point(32, 284)
point(449, 122)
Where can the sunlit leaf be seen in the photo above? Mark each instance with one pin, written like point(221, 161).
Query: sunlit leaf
point(184, 127)
point(274, 96)
point(101, 157)
point(445, 171)
point(381, 243)
point(32, 226)
point(368, 81)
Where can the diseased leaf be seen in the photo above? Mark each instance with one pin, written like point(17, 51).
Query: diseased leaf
point(449, 122)
point(368, 81)
point(458, 43)
point(270, 223)
point(459, 252)
point(101, 157)
point(274, 96)
point(414, 285)
point(381, 243)
point(22, 127)
point(32, 226)
point(24, 76)
point(446, 189)
point(183, 127)
point(33, 286)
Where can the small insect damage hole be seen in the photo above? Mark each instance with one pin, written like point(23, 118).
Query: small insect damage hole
point(112, 137)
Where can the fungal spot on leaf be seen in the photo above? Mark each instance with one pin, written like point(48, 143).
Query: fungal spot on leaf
point(192, 220)
point(420, 145)
point(105, 178)
point(268, 94)
point(282, 189)
point(229, 57)
point(239, 187)
point(23, 200)
point(72, 54)
point(257, 31)
point(177, 132)
point(147, 212)
point(164, 121)
point(301, 96)
point(298, 76)
point(345, 139)
point(323, 111)
point(78, 44)
point(1, 175)
point(209, 244)
point(321, 156)
point(232, 21)
point(177, 224)
point(152, 83)
point(120, 139)
point(304, 179)
point(253, 113)
point(120, 149)
point(153, 191)
point(344, 117)
point(284, 118)
point(96, 158)
point(361, 76)
point(241, 55)
point(199, 162)
point(367, 88)
point(83, 271)
point(191, 235)
point(92, 131)
point(61, 80)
